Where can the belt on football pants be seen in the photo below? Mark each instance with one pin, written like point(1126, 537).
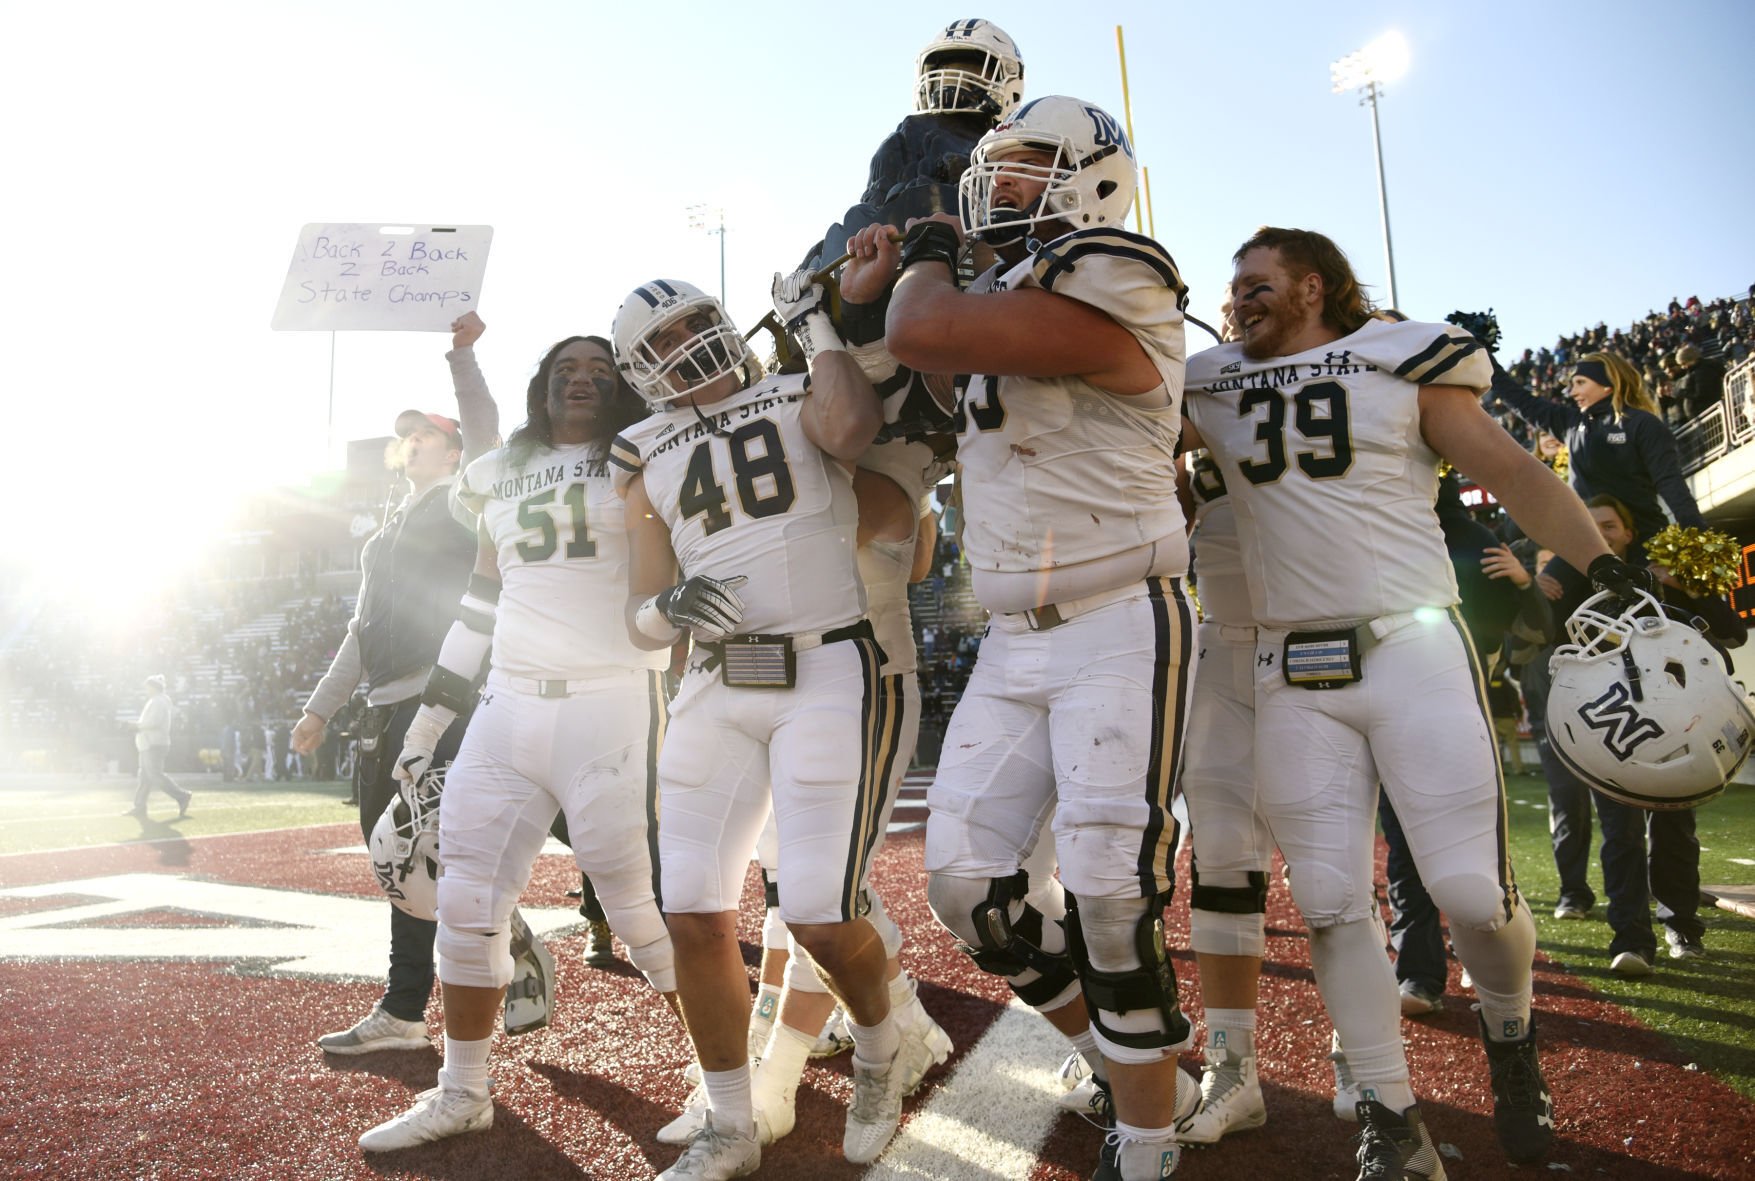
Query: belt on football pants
point(1041, 619)
point(800, 643)
point(557, 688)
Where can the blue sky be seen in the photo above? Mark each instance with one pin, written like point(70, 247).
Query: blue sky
point(1563, 162)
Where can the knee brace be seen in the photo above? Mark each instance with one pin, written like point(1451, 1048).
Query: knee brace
point(1227, 913)
point(801, 972)
point(872, 907)
point(474, 944)
point(1128, 982)
point(1006, 936)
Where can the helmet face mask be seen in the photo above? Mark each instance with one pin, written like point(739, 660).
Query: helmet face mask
point(404, 848)
point(663, 364)
point(970, 67)
point(1640, 707)
point(1088, 181)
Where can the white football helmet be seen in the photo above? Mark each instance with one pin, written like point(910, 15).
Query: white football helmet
point(1090, 182)
point(948, 77)
point(405, 848)
point(1641, 708)
point(711, 350)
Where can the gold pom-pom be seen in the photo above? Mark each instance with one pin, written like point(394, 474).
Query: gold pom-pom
point(1706, 562)
point(1561, 462)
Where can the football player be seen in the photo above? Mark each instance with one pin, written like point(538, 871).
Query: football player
point(742, 521)
point(1066, 431)
point(1327, 426)
point(570, 720)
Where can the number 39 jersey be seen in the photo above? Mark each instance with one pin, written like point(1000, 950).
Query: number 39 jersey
point(1332, 480)
point(560, 535)
point(746, 492)
point(1056, 471)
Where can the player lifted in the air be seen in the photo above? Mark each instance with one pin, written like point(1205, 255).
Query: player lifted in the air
point(1066, 429)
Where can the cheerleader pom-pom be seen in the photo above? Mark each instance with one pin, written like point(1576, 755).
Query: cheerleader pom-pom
point(1706, 562)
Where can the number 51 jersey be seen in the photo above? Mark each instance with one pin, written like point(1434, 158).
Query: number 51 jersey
point(560, 537)
point(1332, 480)
point(745, 492)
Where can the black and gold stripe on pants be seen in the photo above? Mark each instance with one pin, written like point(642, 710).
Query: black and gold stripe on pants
point(1173, 641)
point(881, 728)
point(1501, 821)
point(657, 721)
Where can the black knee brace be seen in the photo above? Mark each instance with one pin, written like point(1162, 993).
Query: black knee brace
point(1010, 949)
point(1250, 899)
point(1152, 985)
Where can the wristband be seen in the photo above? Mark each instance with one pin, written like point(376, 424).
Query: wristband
point(816, 334)
point(931, 241)
point(650, 622)
point(863, 323)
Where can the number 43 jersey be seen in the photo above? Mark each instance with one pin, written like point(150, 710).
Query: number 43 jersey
point(559, 532)
point(745, 492)
point(1333, 482)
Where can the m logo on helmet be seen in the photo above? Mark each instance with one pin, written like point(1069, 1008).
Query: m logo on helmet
point(1106, 132)
point(1623, 729)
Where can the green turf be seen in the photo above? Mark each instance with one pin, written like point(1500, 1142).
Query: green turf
point(1707, 1007)
point(70, 811)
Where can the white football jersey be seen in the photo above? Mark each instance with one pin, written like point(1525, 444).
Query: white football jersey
point(560, 534)
point(1217, 552)
point(1332, 480)
point(884, 566)
point(747, 493)
point(1055, 471)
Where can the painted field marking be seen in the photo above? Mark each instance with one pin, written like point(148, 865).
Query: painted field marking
point(954, 1136)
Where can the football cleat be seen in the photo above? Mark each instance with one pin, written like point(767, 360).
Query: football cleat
point(436, 1114)
point(693, 1118)
point(1080, 1083)
point(1395, 1147)
point(600, 945)
point(1230, 1099)
point(531, 994)
point(716, 1154)
point(1523, 1110)
point(377, 1031)
point(1122, 1155)
point(1420, 1001)
point(876, 1109)
point(836, 1038)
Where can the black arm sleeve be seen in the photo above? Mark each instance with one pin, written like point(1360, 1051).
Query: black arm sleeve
point(1657, 451)
point(1552, 417)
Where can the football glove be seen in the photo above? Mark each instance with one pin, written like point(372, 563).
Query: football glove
point(429, 725)
point(1626, 582)
point(708, 606)
point(801, 303)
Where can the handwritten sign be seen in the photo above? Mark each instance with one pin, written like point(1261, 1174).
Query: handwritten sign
point(382, 278)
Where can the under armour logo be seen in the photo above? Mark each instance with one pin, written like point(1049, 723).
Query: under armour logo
point(1344, 357)
point(1623, 729)
point(1264, 659)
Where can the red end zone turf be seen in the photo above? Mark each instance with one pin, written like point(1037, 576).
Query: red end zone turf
point(145, 1067)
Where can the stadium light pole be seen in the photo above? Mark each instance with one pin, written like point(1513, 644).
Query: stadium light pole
point(701, 217)
point(1366, 70)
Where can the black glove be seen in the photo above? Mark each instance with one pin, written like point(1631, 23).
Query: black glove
point(1625, 582)
point(709, 606)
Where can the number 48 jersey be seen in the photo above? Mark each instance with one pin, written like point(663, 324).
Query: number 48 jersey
point(744, 491)
point(560, 536)
point(1332, 480)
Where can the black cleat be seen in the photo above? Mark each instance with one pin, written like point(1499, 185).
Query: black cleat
point(1523, 1111)
point(1395, 1147)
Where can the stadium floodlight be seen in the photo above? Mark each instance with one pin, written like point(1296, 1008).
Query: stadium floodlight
point(1366, 70)
point(702, 217)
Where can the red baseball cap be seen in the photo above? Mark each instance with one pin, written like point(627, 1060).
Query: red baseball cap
point(411, 420)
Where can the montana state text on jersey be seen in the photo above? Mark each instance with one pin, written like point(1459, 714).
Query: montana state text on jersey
point(1347, 410)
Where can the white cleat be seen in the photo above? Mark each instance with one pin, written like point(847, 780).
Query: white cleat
point(716, 1154)
point(836, 1038)
point(682, 1129)
point(378, 1030)
point(876, 1110)
point(1230, 1099)
point(913, 1020)
point(436, 1114)
point(1080, 1083)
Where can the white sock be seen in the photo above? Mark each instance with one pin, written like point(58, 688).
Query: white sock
point(762, 1014)
point(784, 1059)
point(728, 1097)
point(902, 992)
point(466, 1066)
point(1085, 1042)
point(1147, 1135)
point(877, 1044)
point(1232, 1029)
